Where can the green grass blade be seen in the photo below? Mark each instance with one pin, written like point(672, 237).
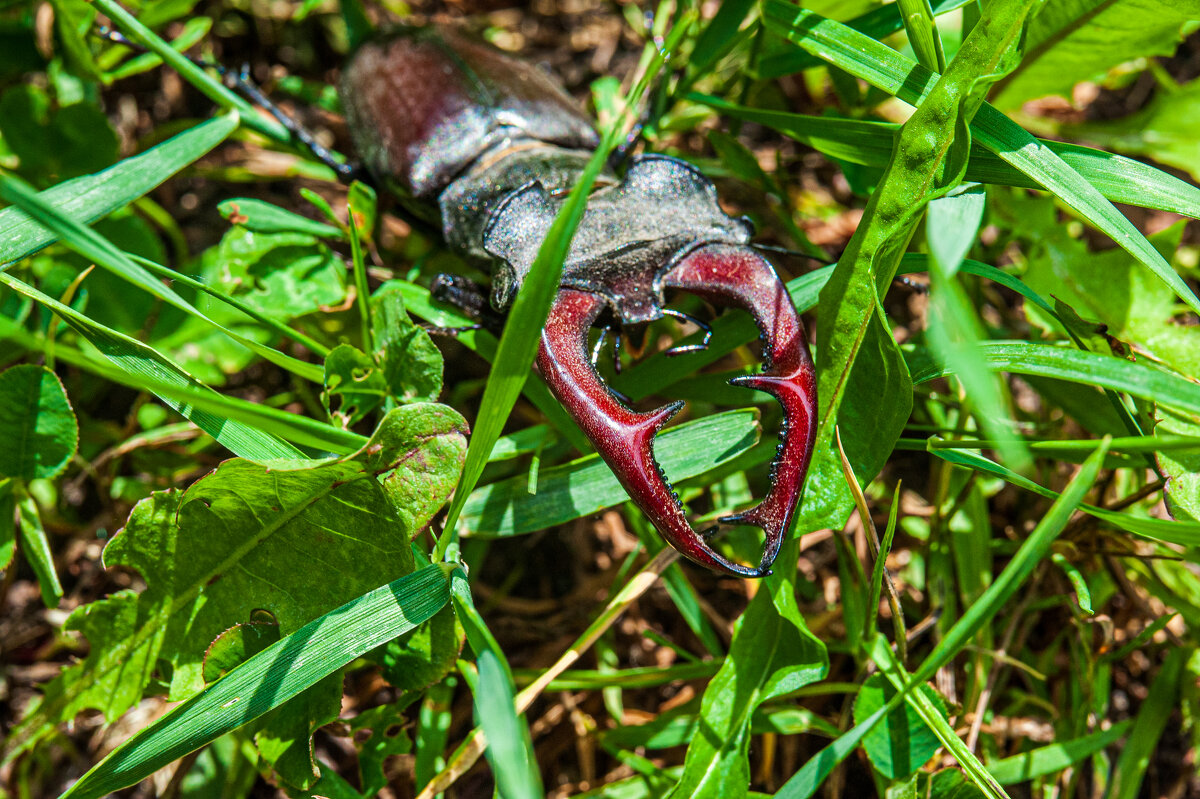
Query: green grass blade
point(896, 74)
point(858, 141)
point(91, 197)
point(1160, 704)
point(104, 253)
point(205, 83)
point(510, 745)
point(586, 485)
point(1184, 533)
point(1054, 757)
point(145, 368)
point(809, 778)
point(1080, 366)
point(271, 677)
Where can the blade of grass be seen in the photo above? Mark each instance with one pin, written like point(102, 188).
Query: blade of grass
point(1160, 704)
point(1055, 757)
point(91, 197)
point(586, 485)
point(271, 677)
point(1119, 179)
point(1080, 366)
point(509, 743)
point(1172, 531)
point(896, 74)
point(212, 88)
point(103, 253)
point(142, 366)
point(469, 751)
point(808, 779)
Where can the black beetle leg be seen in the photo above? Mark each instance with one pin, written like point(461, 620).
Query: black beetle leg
point(686, 348)
point(598, 347)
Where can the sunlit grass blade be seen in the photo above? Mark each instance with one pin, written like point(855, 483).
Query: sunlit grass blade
point(271, 677)
point(1054, 757)
point(868, 143)
point(91, 197)
point(509, 744)
point(104, 253)
point(144, 366)
point(1031, 552)
point(586, 485)
point(1184, 533)
point(1080, 366)
point(877, 24)
point(207, 84)
point(897, 74)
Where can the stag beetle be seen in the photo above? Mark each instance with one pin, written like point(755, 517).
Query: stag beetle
point(487, 146)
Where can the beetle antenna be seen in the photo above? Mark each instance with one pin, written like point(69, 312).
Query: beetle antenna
point(686, 348)
point(240, 82)
point(796, 253)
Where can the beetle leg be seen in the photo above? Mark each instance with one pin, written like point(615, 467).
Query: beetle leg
point(686, 348)
point(622, 437)
point(737, 276)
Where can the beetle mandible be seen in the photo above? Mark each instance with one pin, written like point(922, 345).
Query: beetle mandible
point(487, 146)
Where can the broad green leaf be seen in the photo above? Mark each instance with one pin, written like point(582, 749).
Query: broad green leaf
point(586, 485)
point(772, 653)
point(59, 143)
point(424, 656)
point(270, 678)
point(141, 362)
point(294, 540)
point(354, 385)
point(37, 423)
point(410, 361)
point(91, 197)
point(8, 522)
point(901, 743)
point(1075, 40)
point(283, 737)
point(260, 216)
point(890, 71)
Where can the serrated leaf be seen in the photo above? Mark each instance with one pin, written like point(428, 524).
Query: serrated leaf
point(294, 539)
point(411, 362)
point(37, 424)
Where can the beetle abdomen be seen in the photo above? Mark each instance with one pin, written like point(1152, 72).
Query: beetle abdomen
point(423, 104)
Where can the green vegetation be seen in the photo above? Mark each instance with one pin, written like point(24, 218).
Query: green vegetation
point(237, 469)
